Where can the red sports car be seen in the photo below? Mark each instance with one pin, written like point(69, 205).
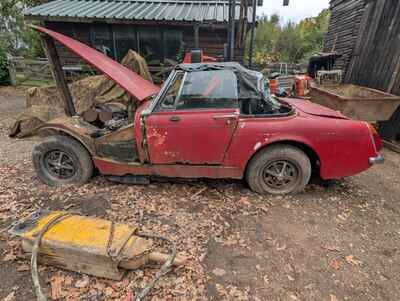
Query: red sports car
point(213, 120)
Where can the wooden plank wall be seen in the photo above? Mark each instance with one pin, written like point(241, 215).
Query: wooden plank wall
point(376, 62)
point(366, 33)
point(211, 41)
point(343, 29)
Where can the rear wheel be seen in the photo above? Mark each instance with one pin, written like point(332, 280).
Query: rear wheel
point(60, 160)
point(279, 169)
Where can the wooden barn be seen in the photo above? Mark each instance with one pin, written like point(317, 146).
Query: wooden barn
point(157, 29)
point(367, 35)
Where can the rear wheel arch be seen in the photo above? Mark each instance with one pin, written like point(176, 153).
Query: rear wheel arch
point(308, 150)
point(279, 168)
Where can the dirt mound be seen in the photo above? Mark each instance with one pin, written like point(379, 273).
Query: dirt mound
point(45, 103)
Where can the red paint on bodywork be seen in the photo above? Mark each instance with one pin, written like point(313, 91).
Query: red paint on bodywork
point(134, 84)
point(342, 146)
point(220, 143)
point(313, 108)
point(195, 137)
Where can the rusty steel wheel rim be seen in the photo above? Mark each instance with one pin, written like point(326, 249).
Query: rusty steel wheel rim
point(59, 164)
point(280, 174)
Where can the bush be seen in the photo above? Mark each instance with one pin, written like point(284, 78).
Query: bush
point(4, 74)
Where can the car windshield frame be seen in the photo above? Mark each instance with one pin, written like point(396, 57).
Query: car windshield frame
point(156, 105)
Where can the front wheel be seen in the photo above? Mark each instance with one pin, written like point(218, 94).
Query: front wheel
point(60, 160)
point(279, 169)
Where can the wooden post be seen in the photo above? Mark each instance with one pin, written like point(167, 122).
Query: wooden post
point(252, 34)
point(58, 74)
point(231, 30)
point(394, 76)
point(11, 70)
point(196, 29)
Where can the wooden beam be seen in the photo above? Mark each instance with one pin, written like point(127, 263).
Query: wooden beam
point(58, 74)
point(393, 146)
point(358, 46)
point(252, 34)
point(11, 70)
point(232, 24)
point(196, 29)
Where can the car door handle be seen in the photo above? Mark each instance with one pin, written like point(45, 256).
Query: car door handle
point(175, 118)
point(232, 116)
point(228, 118)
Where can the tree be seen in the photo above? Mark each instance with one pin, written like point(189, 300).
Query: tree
point(290, 42)
point(16, 37)
point(4, 74)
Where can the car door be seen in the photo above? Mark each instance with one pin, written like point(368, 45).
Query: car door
point(193, 123)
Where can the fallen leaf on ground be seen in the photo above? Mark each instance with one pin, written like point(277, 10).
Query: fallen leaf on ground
point(10, 297)
point(109, 291)
point(331, 248)
point(333, 297)
point(68, 280)
point(281, 248)
point(84, 282)
point(351, 260)
point(266, 210)
point(219, 272)
point(56, 287)
point(128, 297)
point(9, 257)
point(336, 263)
point(244, 200)
point(23, 268)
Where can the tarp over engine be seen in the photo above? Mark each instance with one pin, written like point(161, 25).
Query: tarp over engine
point(45, 103)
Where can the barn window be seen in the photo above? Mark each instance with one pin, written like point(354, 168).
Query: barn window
point(101, 38)
point(125, 39)
point(172, 43)
point(66, 29)
point(150, 45)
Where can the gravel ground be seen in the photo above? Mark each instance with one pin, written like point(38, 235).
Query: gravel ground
point(337, 241)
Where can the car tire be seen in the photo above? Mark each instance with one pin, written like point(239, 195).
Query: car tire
point(60, 160)
point(279, 169)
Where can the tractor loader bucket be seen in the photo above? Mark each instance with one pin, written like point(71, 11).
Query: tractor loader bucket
point(88, 245)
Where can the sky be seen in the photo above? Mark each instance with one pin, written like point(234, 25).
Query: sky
point(296, 11)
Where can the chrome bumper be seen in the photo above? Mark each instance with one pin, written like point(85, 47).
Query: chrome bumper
point(376, 160)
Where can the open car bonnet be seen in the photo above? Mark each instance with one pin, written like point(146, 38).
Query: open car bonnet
point(314, 109)
point(134, 84)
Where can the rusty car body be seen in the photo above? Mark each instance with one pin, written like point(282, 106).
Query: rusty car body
point(212, 120)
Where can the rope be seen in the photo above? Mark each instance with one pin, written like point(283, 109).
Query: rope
point(115, 254)
point(35, 249)
point(165, 268)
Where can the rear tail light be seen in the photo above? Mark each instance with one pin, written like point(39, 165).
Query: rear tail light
point(376, 138)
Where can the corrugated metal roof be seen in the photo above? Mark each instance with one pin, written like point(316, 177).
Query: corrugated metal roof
point(147, 10)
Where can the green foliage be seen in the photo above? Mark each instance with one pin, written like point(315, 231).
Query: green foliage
point(290, 42)
point(4, 74)
point(16, 37)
